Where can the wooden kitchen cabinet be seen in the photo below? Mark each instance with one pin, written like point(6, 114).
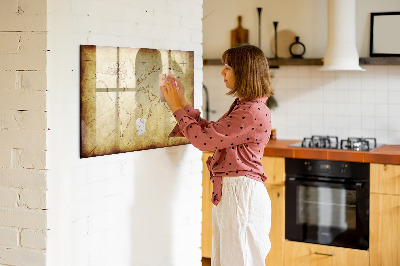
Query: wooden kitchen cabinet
point(206, 225)
point(277, 233)
point(385, 215)
point(274, 168)
point(385, 178)
point(305, 254)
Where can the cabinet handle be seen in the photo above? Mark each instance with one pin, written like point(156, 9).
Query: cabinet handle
point(324, 254)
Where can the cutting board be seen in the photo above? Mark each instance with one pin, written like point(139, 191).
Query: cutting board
point(239, 35)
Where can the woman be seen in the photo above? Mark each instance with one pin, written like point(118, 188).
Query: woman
point(242, 208)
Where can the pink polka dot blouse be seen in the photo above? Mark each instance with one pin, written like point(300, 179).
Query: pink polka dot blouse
point(238, 139)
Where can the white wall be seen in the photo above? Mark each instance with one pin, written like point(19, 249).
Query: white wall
point(311, 102)
point(23, 133)
point(138, 208)
point(306, 19)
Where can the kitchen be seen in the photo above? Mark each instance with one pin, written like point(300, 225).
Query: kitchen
point(315, 103)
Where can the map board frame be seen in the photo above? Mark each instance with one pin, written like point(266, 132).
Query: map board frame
point(120, 100)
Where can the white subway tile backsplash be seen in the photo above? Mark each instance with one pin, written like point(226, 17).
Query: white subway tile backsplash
point(368, 123)
point(381, 97)
point(329, 93)
point(393, 71)
point(347, 103)
point(292, 82)
point(367, 133)
point(394, 97)
point(342, 109)
point(355, 132)
point(354, 80)
point(329, 109)
point(304, 82)
point(342, 96)
point(367, 96)
point(329, 123)
point(380, 71)
point(367, 110)
point(394, 83)
point(381, 84)
point(394, 123)
point(355, 96)
point(342, 122)
point(381, 110)
point(316, 72)
point(381, 136)
point(304, 72)
point(354, 122)
point(342, 81)
point(381, 123)
point(394, 110)
point(394, 137)
point(291, 71)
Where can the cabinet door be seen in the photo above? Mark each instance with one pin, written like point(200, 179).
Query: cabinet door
point(304, 254)
point(206, 226)
point(274, 168)
point(384, 230)
point(277, 233)
point(385, 178)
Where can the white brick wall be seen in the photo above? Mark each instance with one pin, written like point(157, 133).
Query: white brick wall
point(23, 132)
point(100, 209)
point(138, 208)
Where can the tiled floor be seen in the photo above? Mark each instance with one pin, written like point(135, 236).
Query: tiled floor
point(206, 261)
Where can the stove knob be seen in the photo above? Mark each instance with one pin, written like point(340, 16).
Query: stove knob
point(343, 168)
point(308, 166)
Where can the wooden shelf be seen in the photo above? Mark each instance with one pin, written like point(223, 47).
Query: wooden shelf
point(380, 61)
point(274, 63)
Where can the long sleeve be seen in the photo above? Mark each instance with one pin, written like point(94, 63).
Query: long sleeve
point(231, 130)
point(193, 113)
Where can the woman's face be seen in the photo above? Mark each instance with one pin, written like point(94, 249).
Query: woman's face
point(229, 76)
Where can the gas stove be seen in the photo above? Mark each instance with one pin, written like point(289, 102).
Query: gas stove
point(332, 142)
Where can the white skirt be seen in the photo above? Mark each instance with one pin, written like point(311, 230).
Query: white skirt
point(241, 223)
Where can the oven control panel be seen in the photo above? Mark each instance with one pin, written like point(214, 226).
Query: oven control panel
point(337, 169)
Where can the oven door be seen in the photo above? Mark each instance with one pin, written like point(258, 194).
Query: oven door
point(327, 213)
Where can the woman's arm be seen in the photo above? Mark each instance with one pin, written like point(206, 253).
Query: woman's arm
point(175, 98)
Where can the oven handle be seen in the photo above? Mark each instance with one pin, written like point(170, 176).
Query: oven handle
point(357, 185)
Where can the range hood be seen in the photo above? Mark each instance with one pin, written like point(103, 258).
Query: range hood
point(341, 51)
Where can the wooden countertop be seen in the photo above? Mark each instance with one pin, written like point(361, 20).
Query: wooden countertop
point(389, 154)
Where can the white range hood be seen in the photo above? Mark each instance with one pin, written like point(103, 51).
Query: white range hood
point(341, 51)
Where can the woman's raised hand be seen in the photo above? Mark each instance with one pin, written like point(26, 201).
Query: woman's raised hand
point(174, 93)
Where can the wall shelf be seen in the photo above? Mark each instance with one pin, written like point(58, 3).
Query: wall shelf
point(380, 61)
point(274, 63)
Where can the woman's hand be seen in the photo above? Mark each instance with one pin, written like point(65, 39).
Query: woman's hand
point(181, 93)
point(173, 94)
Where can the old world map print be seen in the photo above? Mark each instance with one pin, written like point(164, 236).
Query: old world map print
point(121, 105)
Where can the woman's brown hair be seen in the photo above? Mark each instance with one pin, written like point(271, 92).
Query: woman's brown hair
point(250, 66)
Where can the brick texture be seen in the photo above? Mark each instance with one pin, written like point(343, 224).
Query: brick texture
point(23, 126)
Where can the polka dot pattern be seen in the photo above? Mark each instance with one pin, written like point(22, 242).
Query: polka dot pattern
point(238, 139)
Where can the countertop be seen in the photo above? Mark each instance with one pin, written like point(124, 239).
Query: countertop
point(388, 154)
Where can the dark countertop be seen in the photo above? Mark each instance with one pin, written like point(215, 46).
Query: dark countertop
point(389, 154)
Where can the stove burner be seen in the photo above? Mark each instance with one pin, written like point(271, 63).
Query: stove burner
point(332, 142)
point(358, 144)
point(328, 142)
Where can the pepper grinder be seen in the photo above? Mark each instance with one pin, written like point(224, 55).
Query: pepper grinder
point(276, 38)
point(259, 26)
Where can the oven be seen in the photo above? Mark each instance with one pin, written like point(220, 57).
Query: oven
point(327, 202)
